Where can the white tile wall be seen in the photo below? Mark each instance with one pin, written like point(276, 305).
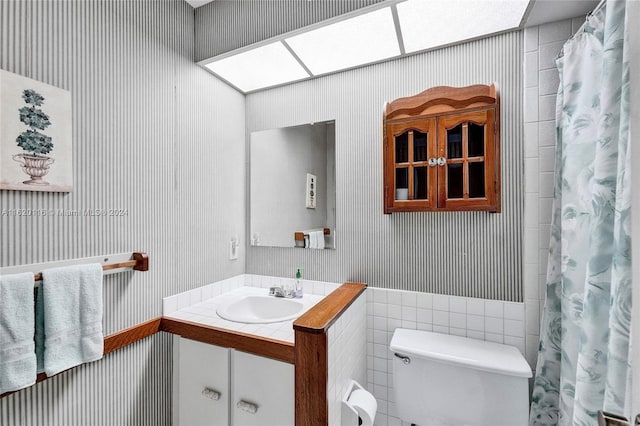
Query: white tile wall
point(492, 320)
point(347, 352)
point(554, 31)
point(542, 45)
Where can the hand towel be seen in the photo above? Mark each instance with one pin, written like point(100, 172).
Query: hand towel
point(17, 350)
point(312, 239)
point(317, 239)
point(72, 316)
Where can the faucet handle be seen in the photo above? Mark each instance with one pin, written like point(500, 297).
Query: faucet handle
point(276, 291)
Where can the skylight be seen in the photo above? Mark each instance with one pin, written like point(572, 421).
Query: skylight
point(372, 36)
point(261, 67)
point(353, 42)
point(428, 24)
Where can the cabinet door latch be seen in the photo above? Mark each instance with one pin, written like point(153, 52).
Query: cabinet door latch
point(247, 406)
point(211, 394)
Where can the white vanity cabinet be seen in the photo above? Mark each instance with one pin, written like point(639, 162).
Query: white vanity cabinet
point(221, 386)
point(265, 382)
point(201, 384)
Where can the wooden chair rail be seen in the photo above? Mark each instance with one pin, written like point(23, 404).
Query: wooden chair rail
point(117, 341)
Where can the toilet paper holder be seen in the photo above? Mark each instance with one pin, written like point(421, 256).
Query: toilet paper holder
point(350, 415)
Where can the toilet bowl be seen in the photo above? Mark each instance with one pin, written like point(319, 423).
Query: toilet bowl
point(446, 380)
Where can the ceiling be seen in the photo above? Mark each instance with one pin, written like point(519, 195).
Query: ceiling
point(198, 3)
point(384, 31)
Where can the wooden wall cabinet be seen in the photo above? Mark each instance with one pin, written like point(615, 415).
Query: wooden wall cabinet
point(442, 150)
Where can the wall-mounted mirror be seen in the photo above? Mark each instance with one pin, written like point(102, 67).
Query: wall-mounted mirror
point(293, 186)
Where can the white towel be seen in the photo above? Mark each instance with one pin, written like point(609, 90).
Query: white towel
point(316, 239)
point(17, 349)
point(72, 316)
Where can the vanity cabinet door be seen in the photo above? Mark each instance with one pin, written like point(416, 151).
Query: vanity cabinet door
point(201, 396)
point(262, 391)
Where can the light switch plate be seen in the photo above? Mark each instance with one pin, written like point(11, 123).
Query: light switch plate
point(311, 191)
point(234, 244)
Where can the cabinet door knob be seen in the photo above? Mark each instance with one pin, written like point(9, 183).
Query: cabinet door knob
point(211, 394)
point(442, 161)
point(432, 162)
point(247, 406)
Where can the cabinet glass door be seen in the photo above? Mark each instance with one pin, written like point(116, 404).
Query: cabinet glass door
point(401, 161)
point(412, 146)
point(420, 165)
point(465, 158)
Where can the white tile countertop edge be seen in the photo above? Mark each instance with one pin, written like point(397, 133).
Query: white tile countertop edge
point(199, 305)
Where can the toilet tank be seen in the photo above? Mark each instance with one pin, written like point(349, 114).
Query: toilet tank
point(441, 380)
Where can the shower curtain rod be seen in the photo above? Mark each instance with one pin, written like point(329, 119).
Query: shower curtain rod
point(590, 14)
point(598, 7)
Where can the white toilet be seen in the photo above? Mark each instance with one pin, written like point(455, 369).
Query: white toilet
point(441, 380)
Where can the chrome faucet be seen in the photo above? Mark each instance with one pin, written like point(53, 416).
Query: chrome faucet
point(279, 291)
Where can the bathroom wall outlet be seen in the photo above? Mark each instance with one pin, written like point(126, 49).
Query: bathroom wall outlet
point(234, 246)
point(311, 191)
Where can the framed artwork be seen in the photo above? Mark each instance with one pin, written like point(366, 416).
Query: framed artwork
point(35, 135)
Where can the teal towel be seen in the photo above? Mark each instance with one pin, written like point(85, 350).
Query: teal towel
point(72, 316)
point(39, 329)
point(17, 350)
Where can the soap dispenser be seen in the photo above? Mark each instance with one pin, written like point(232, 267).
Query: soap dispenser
point(298, 289)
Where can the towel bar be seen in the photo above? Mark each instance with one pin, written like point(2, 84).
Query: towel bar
point(138, 261)
point(299, 236)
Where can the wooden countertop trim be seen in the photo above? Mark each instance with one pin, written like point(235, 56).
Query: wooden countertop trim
point(311, 378)
point(319, 318)
point(263, 346)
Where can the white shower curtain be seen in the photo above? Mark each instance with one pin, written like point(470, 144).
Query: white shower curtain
point(584, 353)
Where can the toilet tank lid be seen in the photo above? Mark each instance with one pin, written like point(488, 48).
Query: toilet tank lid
point(463, 351)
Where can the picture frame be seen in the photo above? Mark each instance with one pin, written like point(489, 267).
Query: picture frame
point(36, 147)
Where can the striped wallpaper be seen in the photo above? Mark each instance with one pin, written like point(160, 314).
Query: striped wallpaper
point(161, 138)
point(154, 135)
point(473, 254)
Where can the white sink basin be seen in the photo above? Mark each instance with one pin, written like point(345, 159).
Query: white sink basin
point(260, 309)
